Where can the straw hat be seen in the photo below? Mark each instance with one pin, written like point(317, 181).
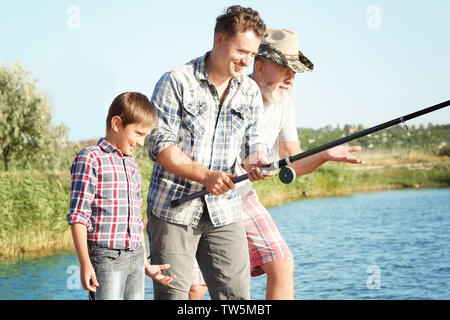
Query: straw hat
point(281, 46)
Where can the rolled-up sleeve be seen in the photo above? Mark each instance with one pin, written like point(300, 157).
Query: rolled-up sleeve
point(254, 139)
point(83, 189)
point(166, 100)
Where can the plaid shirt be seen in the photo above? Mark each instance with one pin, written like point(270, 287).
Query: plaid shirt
point(190, 116)
point(105, 196)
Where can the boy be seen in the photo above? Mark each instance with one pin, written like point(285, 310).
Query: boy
point(105, 205)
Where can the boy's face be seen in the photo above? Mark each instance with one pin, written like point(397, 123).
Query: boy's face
point(128, 138)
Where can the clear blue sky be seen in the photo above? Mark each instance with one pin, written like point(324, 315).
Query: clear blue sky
point(371, 65)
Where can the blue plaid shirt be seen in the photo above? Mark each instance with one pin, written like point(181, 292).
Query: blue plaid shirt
point(189, 116)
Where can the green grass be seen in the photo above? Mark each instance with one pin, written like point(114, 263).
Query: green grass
point(32, 213)
point(34, 204)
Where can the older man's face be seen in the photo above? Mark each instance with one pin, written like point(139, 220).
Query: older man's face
point(276, 82)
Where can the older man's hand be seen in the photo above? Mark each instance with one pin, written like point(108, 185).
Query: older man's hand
point(342, 154)
point(254, 166)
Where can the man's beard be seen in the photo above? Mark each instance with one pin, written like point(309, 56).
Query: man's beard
point(271, 94)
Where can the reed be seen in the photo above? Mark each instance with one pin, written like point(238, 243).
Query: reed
point(34, 204)
point(35, 243)
point(32, 212)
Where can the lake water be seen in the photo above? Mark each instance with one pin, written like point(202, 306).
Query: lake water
point(381, 245)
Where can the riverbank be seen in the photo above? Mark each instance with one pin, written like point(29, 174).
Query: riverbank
point(35, 204)
point(379, 172)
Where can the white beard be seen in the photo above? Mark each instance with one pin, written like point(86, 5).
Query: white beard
point(271, 94)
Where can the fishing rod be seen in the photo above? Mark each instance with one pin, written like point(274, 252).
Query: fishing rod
point(287, 175)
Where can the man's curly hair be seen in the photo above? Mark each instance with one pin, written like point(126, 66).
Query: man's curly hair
point(239, 19)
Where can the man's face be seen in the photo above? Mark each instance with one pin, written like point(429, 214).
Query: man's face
point(237, 52)
point(276, 81)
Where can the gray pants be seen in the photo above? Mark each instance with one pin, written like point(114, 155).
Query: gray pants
point(221, 253)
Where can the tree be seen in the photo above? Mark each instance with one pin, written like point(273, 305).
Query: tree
point(25, 116)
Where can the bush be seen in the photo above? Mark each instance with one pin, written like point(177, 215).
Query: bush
point(445, 151)
point(27, 137)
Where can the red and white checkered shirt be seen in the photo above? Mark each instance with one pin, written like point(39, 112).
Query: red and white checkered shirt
point(105, 196)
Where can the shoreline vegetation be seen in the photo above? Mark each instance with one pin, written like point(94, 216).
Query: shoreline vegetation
point(36, 159)
point(35, 202)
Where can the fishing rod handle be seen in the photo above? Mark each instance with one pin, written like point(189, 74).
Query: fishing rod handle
point(177, 202)
point(270, 167)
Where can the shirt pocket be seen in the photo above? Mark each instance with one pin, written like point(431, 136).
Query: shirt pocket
point(193, 115)
point(239, 118)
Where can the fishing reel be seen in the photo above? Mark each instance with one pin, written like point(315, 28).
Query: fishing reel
point(287, 175)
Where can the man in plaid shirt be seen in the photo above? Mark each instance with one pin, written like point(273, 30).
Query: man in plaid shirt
point(205, 111)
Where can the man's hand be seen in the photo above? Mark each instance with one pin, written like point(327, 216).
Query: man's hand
point(154, 272)
point(253, 163)
point(342, 154)
point(218, 182)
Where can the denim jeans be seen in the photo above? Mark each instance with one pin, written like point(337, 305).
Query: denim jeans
point(120, 273)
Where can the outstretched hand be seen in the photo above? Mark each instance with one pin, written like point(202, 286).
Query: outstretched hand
point(154, 272)
point(342, 154)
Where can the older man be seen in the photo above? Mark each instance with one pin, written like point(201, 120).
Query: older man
point(277, 62)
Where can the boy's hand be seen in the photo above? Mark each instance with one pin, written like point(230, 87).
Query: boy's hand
point(154, 272)
point(88, 278)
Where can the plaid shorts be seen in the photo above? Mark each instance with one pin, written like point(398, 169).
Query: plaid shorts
point(197, 277)
point(265, 243)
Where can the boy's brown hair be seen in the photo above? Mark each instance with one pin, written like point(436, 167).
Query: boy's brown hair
point(239, 19)
point(131, 107)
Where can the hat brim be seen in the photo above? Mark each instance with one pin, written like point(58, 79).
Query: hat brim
point(303, 64)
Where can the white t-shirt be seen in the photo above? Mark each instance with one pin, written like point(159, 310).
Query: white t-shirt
point(279, 126)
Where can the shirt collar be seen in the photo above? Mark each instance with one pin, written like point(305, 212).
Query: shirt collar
point(201, 74)
point(109, 148)
point(200, 68)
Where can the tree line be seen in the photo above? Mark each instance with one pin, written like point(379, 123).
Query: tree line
point(430, 138)
point(29, 140)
